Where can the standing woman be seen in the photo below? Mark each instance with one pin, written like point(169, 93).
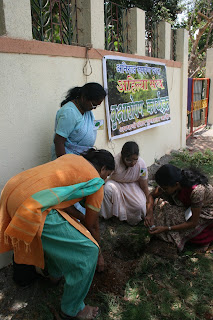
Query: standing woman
point(74, 124)
point(34, 222)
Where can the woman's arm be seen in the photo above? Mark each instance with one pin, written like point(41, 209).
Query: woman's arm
point(149, 220)
point(72, 211)
point(91, 222)
point(190, 224)
point(144, 186)
point(59, 145)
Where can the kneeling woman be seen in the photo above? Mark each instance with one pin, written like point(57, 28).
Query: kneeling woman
point(183, 207)
point(126, 191)
point(34, 222)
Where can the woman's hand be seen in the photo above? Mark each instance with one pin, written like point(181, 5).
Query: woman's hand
point(149, 219)
point(100, 263)
point(190, 224)
point(158, 229)
point(72, 211)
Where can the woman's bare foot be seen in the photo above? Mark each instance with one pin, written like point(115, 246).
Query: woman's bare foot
point(87, 313)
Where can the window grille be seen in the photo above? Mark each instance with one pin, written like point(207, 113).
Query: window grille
point(151, 37)
point(55, 21)
point(173, 44)
point(116, 27)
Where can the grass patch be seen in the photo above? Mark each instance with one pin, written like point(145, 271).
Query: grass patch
point(181, 289)
point(110, 307)
point(200, 160)
point(159, 288)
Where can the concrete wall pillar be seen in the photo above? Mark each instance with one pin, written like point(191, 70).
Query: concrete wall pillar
point(209, 74)
point(136, 31)
point(164, 40)
point(182, 55)
point(91, 23)
point(15, 19)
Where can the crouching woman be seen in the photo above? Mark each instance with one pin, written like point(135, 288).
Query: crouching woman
point(126, 191)
point(34, 222)
point(181, 207)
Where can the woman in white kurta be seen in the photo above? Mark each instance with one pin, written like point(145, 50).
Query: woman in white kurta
point(126, 191)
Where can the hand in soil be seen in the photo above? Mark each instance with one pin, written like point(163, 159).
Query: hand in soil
point(159, 229)
point(100, 263)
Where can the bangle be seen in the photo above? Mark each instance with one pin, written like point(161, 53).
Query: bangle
point(169, 228)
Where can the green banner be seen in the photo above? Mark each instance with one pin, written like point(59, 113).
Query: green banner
point(137, 95)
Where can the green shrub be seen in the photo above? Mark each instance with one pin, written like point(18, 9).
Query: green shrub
point(200, 160)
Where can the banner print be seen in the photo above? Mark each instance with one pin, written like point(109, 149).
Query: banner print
point(137, 95)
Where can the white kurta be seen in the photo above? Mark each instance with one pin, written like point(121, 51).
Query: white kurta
point(123, 196)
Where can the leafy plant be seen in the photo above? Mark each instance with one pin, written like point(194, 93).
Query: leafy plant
point(200, 160)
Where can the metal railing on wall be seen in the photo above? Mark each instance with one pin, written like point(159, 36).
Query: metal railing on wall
point(151, 37)
point(116, 27)
point(55, 21)
point(173, 44)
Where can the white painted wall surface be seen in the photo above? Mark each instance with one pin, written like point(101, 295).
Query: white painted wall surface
point(18, 19)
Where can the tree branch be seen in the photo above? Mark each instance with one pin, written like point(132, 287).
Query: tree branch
point(207, 40)
point(209, 19)
point(195, 42)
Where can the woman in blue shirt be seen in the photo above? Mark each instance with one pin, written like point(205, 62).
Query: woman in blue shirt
point(74, 124)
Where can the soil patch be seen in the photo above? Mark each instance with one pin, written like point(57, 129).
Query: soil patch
point(114, 278)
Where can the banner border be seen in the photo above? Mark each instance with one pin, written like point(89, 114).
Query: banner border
point(111, 57)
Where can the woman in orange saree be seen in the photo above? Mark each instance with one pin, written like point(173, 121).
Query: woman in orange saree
point(34, 222)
